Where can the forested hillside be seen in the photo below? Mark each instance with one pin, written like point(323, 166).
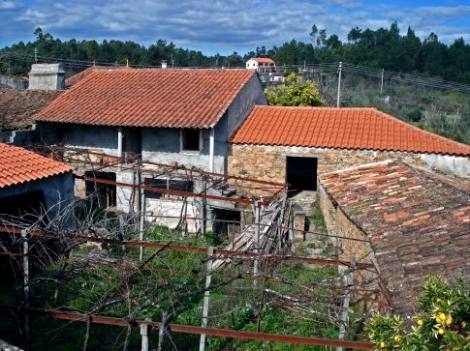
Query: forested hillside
point(382, 48)
point(432, 104)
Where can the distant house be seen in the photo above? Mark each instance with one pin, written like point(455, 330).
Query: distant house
point(412, 222)
point(297, 144)
point(177, 116)
point(261, 64)
point(32, 184)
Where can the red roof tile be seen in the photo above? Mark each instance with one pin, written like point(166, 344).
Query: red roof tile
point(175, 98)
point(263, 60)
point(18, 166)
point(417, 222)
point(342, 128)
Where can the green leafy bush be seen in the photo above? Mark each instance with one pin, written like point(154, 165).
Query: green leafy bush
point(442, 323)
point(294, 92)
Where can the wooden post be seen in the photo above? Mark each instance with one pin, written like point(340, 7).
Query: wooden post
point(204, 209)
point(205, 307)
point(141, 222)
point(26, 289)
point(144, 333)
point(348, 281)
point(257, 243)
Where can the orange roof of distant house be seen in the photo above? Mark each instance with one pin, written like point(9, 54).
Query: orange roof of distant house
point(263, 60)
point(19, 166)
point(342, 128)
point(173, 98)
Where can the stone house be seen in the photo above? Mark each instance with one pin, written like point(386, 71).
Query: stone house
point(411, 221)
point(296, 144)
point(32, 184)
point(168, 116)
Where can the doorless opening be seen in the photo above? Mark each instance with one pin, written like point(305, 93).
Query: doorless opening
point(105, 193)
point(301, 174)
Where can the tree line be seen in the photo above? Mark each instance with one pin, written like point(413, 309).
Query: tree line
point(382, 48)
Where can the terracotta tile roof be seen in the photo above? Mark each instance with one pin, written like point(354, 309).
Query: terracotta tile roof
point(263, 60)
point(342, 128)
point(175, 98)
point(417, 222)
point(18, 166)
point(17, 107)
point(74, 79)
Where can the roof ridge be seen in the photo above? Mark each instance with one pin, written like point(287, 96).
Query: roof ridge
point(317, 107)
point(360, 167)
point(409, 125)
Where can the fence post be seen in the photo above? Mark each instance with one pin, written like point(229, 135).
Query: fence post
point(257, 239)
point(338, 95)
point(347, 281)
point(144, 333)
point(205, 306)
point(26, 289)
point(141, 212)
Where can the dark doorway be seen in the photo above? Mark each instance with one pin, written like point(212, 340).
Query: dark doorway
point(301, 174)
point(105, 194)
point(27, 206)
point(226, 223)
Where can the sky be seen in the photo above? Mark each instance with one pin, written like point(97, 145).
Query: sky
point(224, 26)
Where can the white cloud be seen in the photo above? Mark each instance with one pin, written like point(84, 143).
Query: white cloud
point(224, 26)
point(8, 5)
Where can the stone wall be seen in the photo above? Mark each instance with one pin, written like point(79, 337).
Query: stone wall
point(269, 162)
point(339, 224)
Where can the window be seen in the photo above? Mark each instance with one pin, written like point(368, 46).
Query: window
point(191, 140)
point(181, 185)
point(105, 194)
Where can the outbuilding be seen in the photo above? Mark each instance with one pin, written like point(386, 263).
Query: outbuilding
point(32, 185)
point(297, 144)
point(408, 221)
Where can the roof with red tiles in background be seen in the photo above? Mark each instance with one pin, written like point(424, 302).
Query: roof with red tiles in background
point(417, 222)
point(17, 107)
point(263, 59)
point(19, 166)
point(173, 98)
point(342, 128)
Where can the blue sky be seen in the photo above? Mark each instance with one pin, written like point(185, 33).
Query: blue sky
point(225, 26)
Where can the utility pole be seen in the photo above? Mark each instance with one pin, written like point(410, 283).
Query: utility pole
point(35, 55)
point(382, 81)
point(338, 96)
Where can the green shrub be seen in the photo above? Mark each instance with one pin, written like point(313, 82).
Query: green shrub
point(442, 322)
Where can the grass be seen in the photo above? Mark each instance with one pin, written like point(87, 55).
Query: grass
point(169, 277)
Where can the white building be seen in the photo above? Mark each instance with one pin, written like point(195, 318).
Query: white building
point(261, 64)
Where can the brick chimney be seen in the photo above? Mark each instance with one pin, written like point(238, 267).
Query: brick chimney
point(46, 76)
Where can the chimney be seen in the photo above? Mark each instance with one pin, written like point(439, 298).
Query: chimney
point(164, 64)
point(46, 76)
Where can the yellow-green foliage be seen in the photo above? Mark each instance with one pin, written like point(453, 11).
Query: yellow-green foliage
point(294, 92)
point(442, 323)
